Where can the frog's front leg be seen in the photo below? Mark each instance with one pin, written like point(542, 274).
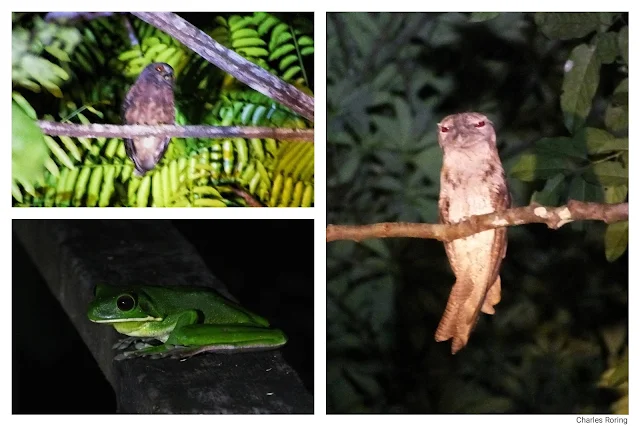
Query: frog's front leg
point(158, 331)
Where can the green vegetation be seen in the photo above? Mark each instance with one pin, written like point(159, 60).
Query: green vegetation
point(79, 72)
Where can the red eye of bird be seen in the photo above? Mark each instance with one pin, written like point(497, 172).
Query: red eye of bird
point(159, 68)
point(479, 124)
point(444, 129)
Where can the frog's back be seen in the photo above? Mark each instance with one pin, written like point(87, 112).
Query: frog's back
point(216, 308)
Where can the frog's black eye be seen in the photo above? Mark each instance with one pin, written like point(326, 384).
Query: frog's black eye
point(126, 302)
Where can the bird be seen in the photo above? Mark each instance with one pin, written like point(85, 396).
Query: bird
point(472, 182)
point(150, 100)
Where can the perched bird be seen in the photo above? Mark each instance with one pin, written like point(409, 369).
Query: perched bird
point(149, 101)
point(472, 182)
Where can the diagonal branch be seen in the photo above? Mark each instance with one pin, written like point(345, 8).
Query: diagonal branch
point(214, 132)
point(554, 217)
point(229, 61)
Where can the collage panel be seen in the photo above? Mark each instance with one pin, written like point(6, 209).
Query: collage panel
point(477, 214)
point(163, 316)
point(147, 109)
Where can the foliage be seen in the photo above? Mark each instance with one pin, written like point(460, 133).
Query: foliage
point(592, 163)
point(390, 79)
point(28, 150)
point(28, 68)
point(92, 76)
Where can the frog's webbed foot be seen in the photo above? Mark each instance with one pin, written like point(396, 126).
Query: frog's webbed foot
point(136, 342)
point(169, 351)
point(152, 352)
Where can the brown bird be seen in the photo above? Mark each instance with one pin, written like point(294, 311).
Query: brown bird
point(149, 101)
point(472, 182)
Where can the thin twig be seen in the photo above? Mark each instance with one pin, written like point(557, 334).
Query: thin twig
point(213, 132)
point(248, 198)
point(554, 217)
point(75, 16)
point(133, 39)
point(230, 62)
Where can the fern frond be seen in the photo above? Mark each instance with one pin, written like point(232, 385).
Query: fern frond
point(34, 51)
point(155, 46)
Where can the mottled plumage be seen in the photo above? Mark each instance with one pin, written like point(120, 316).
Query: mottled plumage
point(472, 182)
point(149, 101)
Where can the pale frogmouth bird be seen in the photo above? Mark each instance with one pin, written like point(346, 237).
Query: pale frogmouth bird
point(472, 182)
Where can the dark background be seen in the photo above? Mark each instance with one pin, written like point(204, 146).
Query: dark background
point(267, 265)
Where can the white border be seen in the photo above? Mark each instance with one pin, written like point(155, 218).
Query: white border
point(318, 213)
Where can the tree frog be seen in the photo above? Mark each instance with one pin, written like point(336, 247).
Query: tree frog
point(187, 320)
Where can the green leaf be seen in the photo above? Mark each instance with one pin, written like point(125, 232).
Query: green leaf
point(305, 41)
point(616, 239)
point(404, 118)
point(611, 173)
point(616, 117)
point(552, 191)
point(579, 86)
point(58, 53)
point(389, 183)
point(385, 76)
point(615, 194)
point(252, 52)
point(365, 383)
point(582, 189)
point(308, 50)
point(530, 167)
point(483, 16)
point(343, 395)
point(600, 141)
point(24, 105)
point(606, 19)
point(618, 374)
point(378, 246)
point(291, 72)
point(525, 168)
point(565, 26)
point(607, 47)
point(623, 43)
point(28, 149)
point(623, 87)
point(562, 147)
point(349, 167)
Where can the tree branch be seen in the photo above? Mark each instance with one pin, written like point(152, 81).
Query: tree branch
point(554, 217)
point(214, 132)
point(230, 62)
point(75, 16)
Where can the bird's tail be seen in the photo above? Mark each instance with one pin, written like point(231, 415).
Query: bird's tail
point(461, 314)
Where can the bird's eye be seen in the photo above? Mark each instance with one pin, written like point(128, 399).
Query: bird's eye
point(444, 129)
point(479, 124)
point(159, 68)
